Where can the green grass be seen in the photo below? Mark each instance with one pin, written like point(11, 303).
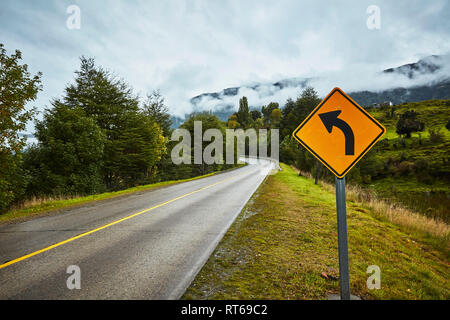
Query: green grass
point(286, 237)
point(432, 200)
point(434, 113)
point(45, 207)
point(428, 195)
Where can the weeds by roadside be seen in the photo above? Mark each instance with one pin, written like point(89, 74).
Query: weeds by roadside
point(390, 211)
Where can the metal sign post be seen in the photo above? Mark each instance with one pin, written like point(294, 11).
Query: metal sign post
point(342, 238)
point(339, 133)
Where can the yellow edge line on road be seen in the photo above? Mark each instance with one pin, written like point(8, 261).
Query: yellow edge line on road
point(111, 224)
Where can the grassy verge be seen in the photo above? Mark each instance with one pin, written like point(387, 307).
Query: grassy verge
point(430, 200)
point(286, 237)
point(42, 206)
point(429, 229)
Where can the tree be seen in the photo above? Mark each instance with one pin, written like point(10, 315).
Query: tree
point(258, 124)
point(139, 150)
point(17, 88)
point(408, 123)
point(68, 157)
point(112, 104)
point(243, 114)
point(104, 97)
point(448, 125)
point(267, 111)
point(155, 108)
point(209, 121)
point(255, 114)
point(275, 117)
point(294, 112)
point(232, 122)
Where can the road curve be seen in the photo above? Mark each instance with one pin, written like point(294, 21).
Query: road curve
point(148, 245)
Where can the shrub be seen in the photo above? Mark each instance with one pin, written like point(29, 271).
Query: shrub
point(420, 165)
point(404, 168)
point(408, 123)
point(424, 177)
point(436, 135)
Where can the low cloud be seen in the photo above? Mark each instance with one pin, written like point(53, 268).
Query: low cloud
point(429, 71)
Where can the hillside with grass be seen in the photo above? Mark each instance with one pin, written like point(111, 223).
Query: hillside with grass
point(415, 171)
point(284, 246)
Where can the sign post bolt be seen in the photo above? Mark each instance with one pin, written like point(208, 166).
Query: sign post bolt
point(342, 238)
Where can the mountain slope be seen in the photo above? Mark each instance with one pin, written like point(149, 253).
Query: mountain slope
point(223, 104)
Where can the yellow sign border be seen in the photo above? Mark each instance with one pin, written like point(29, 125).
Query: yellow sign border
point(339, 175)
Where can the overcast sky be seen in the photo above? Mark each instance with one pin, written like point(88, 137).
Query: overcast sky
point(185, 48)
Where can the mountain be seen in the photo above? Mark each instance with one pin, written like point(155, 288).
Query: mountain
point(438, 88)
point(223, 103)
point(428, 65)
point(229, 92)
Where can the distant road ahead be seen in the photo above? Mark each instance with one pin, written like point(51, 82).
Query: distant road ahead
point(154, 254)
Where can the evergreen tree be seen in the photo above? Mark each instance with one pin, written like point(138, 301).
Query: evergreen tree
point(115, 109)
point(156, 109)
point(243, 114)
point(68, 158)
point(139, 149)
point(255, 114)
point(267, 111)
point(294, 112)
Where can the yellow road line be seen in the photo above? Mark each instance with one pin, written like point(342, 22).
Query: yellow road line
point(112, 223)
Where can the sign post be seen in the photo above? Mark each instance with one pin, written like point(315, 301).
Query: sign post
point(338, 132)
point(344, 278)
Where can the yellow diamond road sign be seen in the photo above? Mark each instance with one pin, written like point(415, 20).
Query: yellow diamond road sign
point(339, 132)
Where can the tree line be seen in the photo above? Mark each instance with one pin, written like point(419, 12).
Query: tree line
point(98, 136)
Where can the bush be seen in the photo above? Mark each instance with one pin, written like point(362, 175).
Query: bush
point(436, 135)
point(404, 168)
point(425, 177)
point(408, 123)
point(402, 156)
point(420, 165)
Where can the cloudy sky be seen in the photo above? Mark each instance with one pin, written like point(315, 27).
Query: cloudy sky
point(185, 48)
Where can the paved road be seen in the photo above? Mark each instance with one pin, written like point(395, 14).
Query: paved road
point(152, 255)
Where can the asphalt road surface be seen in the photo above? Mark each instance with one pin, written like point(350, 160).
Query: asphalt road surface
point(148, 245)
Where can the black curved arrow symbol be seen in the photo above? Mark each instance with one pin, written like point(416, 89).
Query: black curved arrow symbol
point(330, 120)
